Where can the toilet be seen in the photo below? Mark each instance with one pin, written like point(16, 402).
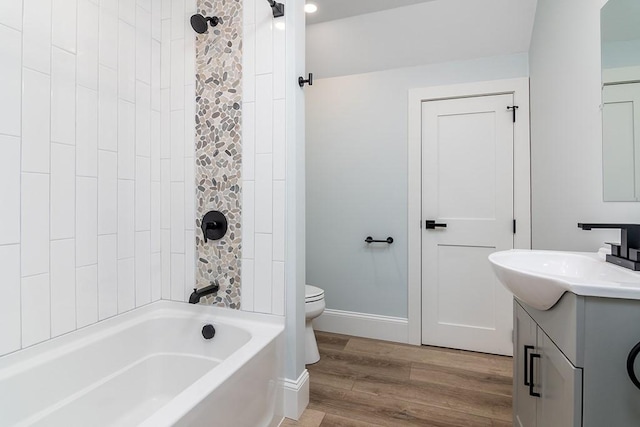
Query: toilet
point(313, 307)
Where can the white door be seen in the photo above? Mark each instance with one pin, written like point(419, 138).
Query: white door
point(621, 142)
point(467, 184)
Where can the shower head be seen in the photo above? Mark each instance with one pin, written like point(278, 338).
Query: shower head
point(276, 8)
point(200, 24)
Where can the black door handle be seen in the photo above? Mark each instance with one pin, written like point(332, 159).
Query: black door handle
point(431, 225)
point(526, 363)
point(531, 385)
point(630, 362)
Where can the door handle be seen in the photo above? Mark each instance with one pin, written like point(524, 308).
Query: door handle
point(526, 363)
point(531, 385)
point(431, 225)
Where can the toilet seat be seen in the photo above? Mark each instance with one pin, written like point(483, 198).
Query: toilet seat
point(312, 294)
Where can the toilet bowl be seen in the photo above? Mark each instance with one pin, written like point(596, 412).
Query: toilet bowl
point(313, 307)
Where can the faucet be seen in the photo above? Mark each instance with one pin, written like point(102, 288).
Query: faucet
point(199, 293)
point(627, 253)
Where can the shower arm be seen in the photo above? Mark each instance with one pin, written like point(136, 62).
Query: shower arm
point(276, 8)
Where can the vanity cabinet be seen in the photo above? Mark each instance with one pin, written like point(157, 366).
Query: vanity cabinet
point(576, 354)
point(547, 387)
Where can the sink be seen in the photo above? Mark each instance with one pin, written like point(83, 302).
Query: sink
point(540, 278)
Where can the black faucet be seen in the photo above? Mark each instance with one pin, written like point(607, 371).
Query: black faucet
point(627, 253)
point(199, 293)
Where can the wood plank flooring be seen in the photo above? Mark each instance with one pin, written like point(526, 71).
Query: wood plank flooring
point(360, 382)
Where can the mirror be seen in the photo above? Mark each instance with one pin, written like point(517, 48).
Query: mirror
point(620, 41)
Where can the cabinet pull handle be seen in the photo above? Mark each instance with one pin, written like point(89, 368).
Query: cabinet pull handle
point(630, 362)
point(526, 363)
point(531, 385)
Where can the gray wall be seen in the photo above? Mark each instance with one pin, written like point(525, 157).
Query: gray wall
point(566, 129)
point(620, 54)
point(357, 178)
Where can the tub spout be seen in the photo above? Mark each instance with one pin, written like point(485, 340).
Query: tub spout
point(199, 293)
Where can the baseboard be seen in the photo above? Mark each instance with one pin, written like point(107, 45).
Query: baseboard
point(365, 325)
point(296, 395)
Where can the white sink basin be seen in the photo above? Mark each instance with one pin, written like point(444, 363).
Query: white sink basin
point(539, 278)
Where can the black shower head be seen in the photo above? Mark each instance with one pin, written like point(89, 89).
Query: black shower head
point(276, 8)
point(201, 23)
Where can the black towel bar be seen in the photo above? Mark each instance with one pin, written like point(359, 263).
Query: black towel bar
point(388, 240)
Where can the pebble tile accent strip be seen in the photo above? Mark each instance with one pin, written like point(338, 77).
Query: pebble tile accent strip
point(218, 147)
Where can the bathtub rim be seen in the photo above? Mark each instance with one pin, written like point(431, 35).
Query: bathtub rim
point(258, 323)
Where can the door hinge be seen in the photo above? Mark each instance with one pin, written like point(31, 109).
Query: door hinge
point(514, 226)
point(513, 108)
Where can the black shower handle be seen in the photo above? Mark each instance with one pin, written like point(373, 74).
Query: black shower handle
point(631, 359)
point(214, 226)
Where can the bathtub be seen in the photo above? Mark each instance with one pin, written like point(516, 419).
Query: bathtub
point(150, 367)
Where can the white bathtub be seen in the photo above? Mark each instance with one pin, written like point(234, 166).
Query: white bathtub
point(150, 367)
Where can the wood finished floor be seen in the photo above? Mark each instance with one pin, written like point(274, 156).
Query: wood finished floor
point(361, 382)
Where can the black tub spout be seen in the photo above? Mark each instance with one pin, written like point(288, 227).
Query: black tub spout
point(199, 293)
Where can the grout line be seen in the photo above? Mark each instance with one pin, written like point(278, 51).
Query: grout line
point(166, 41)
point(20, 322)
point(117, 152)
point(75, 178)
point(51, 46)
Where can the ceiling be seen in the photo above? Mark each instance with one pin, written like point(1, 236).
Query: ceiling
point(330, 10)
point(428, 32)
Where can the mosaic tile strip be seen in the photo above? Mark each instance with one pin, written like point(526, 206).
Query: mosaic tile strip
point(218, 147)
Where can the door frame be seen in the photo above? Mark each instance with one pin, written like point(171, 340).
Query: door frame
point(611, 76)
point(521, 177)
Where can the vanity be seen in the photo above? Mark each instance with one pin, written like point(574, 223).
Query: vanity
point(577, 317)
point(576, 326)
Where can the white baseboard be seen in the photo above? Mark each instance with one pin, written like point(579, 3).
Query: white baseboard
point(365, 325)
point(296, 395)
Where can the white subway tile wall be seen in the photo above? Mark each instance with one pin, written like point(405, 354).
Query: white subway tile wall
point(10, 298)
point(10, 79)
point(9, 194)
point(95, 161)
point(263, 157)
point(96, 144)
point(36, 117)
point(87, 56)
point(86, 295)
point(87, 132)
point(63, 287)
point(63, 188)
point(36, 35)
point(86, 221)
